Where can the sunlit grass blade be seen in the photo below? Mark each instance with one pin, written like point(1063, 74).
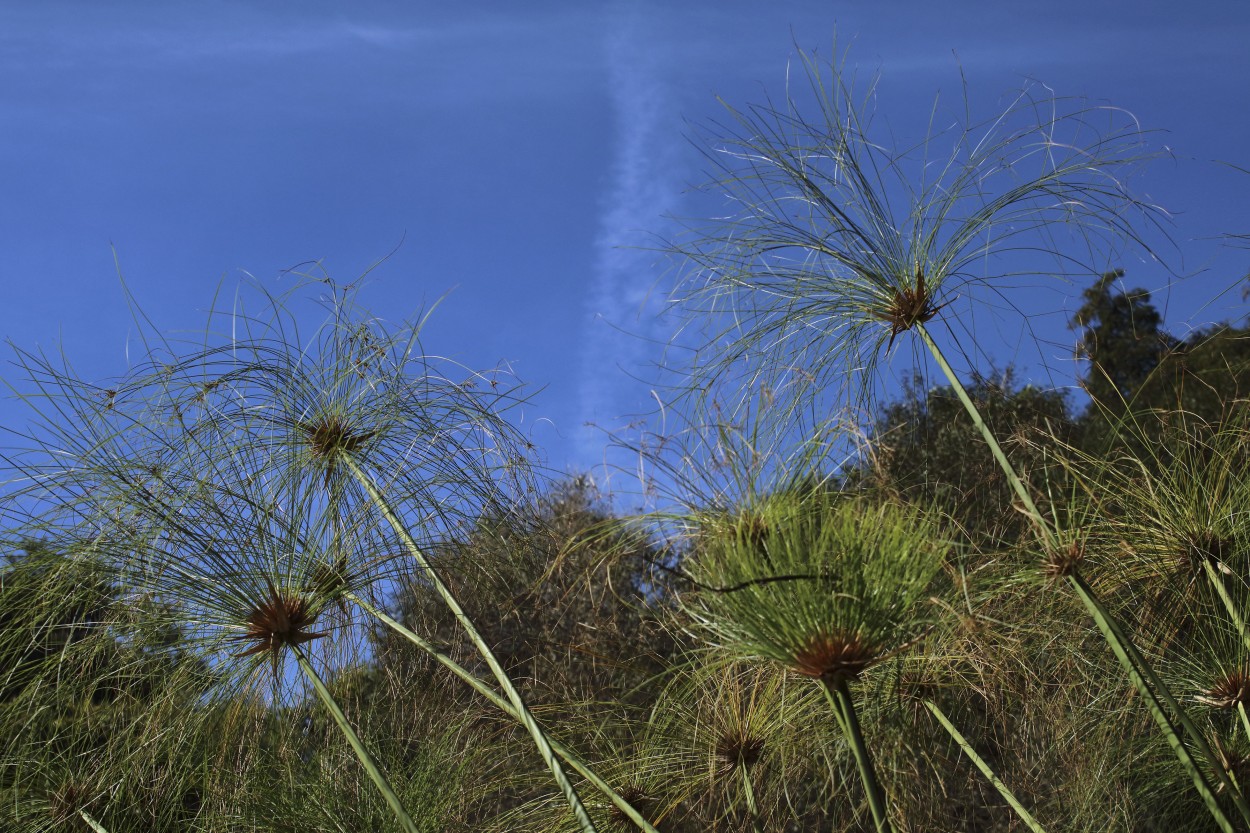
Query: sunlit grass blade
point(91, 822)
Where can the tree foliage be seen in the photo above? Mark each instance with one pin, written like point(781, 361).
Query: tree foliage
point(1139, 375)
point(1121, 338)
point(924, 448)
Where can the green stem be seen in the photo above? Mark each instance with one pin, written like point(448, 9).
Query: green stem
point(92, 823)
point(1147, 682)
point(839, 696)
point(838, 713)
point(449, 599)
point(1245, 721)
point(1007, 794)
point(486, 691)
point(1013, 478)
point(1229, 605)
point(371, 766)
point(749, 792)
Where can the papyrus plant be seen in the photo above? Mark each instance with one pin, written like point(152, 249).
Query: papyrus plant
point(267, 481)
point(835, 239)
point(824, 585)
point(839, 242)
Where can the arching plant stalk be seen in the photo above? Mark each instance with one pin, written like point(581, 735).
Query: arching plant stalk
point(839, 696)
point(1154, 691)
point(474, 682)
point(1160, 700)
point(985, 768)
point(1017, 485)
point(449, 599)
point(1230, 607)
point(374, 772)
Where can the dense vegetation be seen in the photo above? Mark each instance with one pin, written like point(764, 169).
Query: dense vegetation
point(269, 584)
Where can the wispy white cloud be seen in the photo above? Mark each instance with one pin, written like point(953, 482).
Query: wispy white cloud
point(646, 179)
point(183, 39)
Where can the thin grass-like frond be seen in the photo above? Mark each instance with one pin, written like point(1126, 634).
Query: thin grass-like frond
point(835, 240)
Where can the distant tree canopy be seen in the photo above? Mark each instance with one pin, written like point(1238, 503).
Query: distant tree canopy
point(562, 590)
point(1121, 337)
point(927, 448)
point(1137, 372)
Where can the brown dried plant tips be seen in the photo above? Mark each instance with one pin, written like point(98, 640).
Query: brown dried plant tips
point(1228, 692)
point(635, 796)
point(66, 801)
point(735, 748)
point(1063, 561)
point(833, 656)
point(910, 306)
point(1203, 547)
point(281, 620)
point(330, 436)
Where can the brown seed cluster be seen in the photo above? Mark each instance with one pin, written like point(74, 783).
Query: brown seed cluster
point(330, 436)
point(913, 689)
point(328, 580)
point(1205, 546)
point(636, 797)
point(65, 802)
point(281, 620)
point(1064, 561)
point(834, 655)
point(910, 306)
point(755, 532)
point(735, 748)
point(1228, 691)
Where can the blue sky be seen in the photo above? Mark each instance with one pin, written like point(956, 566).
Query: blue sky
point(522, 153)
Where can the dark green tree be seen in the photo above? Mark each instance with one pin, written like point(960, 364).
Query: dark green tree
point(1202, 375)
point(925, 447)
point(564, 592)
point(1140, 378)
point(1122, 338)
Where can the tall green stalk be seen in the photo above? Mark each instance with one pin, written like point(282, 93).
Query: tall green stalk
point(91, 822)
point(839, 695)
point(1152, 688)
point(1002, 788)
point(371, 766)
point(467, 676)
point(748, 793)
point(449, 599)
point(1229, 605)
point(1017, 485)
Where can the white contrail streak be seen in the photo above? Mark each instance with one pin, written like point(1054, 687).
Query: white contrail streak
point(644, 186)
